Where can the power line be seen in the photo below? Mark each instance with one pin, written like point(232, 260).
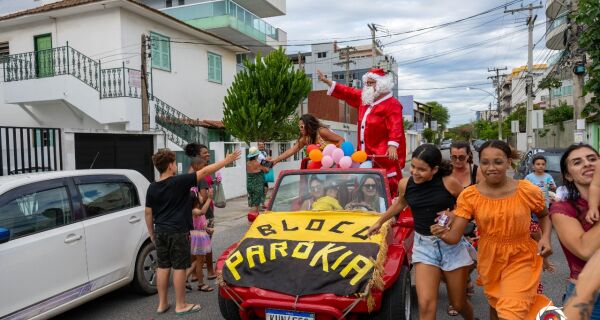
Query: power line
point(449, 87)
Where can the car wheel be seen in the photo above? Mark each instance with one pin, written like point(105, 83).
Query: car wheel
point(144, 278)
point(397, 300)
point(229, 310)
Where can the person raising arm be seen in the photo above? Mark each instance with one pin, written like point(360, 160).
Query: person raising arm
point(594, 202)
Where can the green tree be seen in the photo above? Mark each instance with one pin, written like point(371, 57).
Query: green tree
point(550, 82)
point(261, 103)
point(429, 135)
point(559, 114)
point(440, 114)
point(588, 14)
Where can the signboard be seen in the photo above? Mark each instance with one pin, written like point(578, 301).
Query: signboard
point(434, 125)
point(578, 136)
point(580, 124)
point(135, 79)
point(514, 126)
point(419, 126)
point(407, 106)
point(537, 119)
point(328, 253)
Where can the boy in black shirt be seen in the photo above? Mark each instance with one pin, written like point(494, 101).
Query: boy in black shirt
point(169, 220)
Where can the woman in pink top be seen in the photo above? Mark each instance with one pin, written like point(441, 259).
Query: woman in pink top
point(578, 238)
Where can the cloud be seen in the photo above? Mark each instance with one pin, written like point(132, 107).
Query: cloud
point(438, 57)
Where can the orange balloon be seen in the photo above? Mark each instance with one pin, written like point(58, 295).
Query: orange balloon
point(315, 155)
point(359, 156)
point(311, 147)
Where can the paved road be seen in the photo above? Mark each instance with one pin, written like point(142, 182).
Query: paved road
point(124, 304)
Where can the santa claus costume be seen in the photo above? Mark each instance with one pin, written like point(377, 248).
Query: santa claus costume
point(380, 123)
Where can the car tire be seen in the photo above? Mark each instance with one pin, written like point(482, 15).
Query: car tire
point(229, 310)
point(397, 303)
point(144, 278)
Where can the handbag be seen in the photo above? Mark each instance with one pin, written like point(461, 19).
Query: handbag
point(219, 197)
point(270, 176)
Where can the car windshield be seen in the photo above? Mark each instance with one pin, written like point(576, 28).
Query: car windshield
point(330, 191)
point(552, 162)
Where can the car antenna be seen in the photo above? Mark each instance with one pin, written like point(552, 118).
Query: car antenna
point(94, 161)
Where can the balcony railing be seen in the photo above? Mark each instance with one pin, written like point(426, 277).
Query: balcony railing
point(110, 83)
point(555, 23)
point(222, 8)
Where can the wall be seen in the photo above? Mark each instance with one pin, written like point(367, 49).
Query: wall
point(556, 138)
point(329, 108)
point(234, 178)
point(186, 86)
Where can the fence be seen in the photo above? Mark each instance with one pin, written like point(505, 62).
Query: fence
point(30, 150)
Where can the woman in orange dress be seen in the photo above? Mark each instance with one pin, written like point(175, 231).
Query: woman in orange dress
point(509, 261)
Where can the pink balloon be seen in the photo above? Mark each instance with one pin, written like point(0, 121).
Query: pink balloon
point(345, 162)
point(355, 165)
point(327, 162)
point(337, 155)
point(328, 150)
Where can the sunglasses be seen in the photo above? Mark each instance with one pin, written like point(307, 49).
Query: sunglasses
point(370, 186)
point(459, 158)
point(316, 187)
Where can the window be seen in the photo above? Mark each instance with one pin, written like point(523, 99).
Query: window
point(169, 3)
point(161, 51)
point(214, 68)
point(240, 57)
point(102, 198)
point(36, 212)
point(3, 51)
point(181, 2)
point(322, 54)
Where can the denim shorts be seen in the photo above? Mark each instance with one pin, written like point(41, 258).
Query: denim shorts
point(569, 292)
point(434, 251)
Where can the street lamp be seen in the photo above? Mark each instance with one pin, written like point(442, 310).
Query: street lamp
point(499, 111)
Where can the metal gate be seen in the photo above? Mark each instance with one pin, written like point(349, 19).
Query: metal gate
point(24, 149)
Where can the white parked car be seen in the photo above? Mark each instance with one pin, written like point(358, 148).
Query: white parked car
point(68, 237)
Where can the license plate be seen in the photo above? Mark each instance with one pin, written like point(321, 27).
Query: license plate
point(275, 314)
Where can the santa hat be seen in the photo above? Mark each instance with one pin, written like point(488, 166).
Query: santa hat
point(384, 81)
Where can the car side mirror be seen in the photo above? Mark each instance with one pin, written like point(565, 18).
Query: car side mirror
point(405, 219)
point(4, 235)
point(252, 216)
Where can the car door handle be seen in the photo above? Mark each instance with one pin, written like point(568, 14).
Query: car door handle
point(72, 238)
point(134, 219)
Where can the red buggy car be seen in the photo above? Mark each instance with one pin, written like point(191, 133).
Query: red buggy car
point(309, 258)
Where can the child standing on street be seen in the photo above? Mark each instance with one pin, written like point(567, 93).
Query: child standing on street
point(546, 183)
point(168, 219)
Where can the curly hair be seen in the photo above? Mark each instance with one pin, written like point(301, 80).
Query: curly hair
point(162, 159)
point(311, 127)
point(433, 157)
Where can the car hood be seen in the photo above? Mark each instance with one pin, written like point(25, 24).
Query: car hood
point(328, 251)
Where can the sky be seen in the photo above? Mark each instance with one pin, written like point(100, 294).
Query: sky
point(457, 55)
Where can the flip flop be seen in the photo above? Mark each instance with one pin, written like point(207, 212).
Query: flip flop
point(205, 288)
point(451, 311)
point(164, 310)
point(193, 309)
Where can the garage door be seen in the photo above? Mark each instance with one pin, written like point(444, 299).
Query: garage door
point(115, 151)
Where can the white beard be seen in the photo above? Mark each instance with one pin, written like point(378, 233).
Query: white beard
point(368, 95)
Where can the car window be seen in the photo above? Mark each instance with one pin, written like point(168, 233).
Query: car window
point(330, 192)
point(102, 198)
point(36, 212)
point(553, 162)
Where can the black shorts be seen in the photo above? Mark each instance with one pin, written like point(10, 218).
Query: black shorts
point(173, 250)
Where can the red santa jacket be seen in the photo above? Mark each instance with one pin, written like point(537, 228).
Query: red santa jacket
point(379, 125)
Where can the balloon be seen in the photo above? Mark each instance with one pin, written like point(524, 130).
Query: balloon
point(359, 156)
point(337, 155)
point(311, 147)
point(345, 162)
point(366, 165)
point(315, 155)
point(348, 148)
point(313, 165)
point(327, 161)
point(355, 165)
point(328, 150)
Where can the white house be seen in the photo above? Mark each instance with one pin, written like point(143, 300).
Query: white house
point(70, 95)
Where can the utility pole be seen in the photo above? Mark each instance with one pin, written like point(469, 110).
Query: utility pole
point(579, 59)
point(145, 106)
point(490, 112)
point(529, 80)
point(347, 61)
point(373, 43)
point(496, 80)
